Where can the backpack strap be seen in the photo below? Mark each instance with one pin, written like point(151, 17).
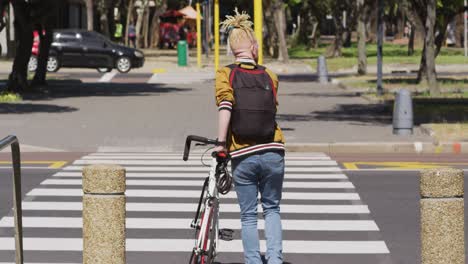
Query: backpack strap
point(233, 68)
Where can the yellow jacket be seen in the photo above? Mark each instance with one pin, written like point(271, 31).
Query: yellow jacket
point(225, 101)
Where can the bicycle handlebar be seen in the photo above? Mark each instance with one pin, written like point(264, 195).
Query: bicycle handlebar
point(191, 138)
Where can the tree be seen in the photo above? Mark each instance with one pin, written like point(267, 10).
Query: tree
point(338, 10)
point(432, 16)
point(271, 39)
point(129, 19)
point(365, 8)
point(279, 14)
point(90, 14)
point(161, 7)
point(30, 15)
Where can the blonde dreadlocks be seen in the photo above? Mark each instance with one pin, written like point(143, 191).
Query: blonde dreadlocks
point(241, 34)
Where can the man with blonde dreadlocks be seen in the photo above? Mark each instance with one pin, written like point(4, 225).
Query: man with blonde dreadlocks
point(246, 98)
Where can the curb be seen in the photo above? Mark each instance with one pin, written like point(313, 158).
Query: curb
point(381, 147)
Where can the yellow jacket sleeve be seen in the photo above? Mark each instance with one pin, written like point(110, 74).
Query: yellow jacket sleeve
point(224, 92)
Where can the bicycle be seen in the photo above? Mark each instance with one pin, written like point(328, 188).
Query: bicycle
point(206, 220)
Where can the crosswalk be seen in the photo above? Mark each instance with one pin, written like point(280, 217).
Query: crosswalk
point(323, 216)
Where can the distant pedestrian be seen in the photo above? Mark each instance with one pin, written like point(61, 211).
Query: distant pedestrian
point(247, 129)
point(132, 35)
point(118, 32)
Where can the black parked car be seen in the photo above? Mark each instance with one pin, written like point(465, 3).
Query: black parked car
point(88, 49)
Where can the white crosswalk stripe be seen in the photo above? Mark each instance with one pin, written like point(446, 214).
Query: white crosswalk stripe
point(322, 212)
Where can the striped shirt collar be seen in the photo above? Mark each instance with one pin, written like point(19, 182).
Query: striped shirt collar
point(246, 60)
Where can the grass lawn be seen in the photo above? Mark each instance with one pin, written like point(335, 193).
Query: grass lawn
point(450, 132)
point(393, 54)
point(453, 86)
point(10, 98)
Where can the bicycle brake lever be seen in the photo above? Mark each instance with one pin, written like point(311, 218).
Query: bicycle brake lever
point(200, 144)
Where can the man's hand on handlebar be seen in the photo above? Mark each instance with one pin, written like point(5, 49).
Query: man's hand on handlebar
point(220, 149)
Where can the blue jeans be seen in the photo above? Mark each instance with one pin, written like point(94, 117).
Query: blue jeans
point(264, 173)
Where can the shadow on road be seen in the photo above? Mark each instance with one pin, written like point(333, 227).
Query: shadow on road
point(34, 108)
point(359, 114)
point(75, 88)
point(326, 95)
point(306, 77)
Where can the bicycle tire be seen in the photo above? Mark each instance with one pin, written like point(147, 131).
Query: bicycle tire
point(211, 253)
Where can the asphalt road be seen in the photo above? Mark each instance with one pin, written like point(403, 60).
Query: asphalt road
point(158, 111)
point(392, 197)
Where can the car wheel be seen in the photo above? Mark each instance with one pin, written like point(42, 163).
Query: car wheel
point(53, 64)
point(124, 64)
point(32, 65)
point(104, 70)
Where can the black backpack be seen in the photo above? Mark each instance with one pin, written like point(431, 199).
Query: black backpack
point(254, 112)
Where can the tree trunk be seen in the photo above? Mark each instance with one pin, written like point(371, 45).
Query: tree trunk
point(314, 39)
point(90, 15)
point(146, 26)
point(280, 22)
point(138, 26)
point(430, 49)
point(335, 49)
point(271, 40)
point(362, 38)
point(306, 28)
point(422, 73)
point(411, 41)
point(104, 21)
point(459, 28)
point(155, 23)
point(400, 24)
point(129, 19)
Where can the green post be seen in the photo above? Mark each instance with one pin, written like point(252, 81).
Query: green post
point(182, 53)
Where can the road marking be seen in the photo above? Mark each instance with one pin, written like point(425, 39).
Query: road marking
point(191, 162)
point(396, 165)
point(159, 70)
point(186, 245)
point(156, 175)
point(194, 155)
point(195, 194)
point(154, 79)
point(191, 207)
point(52, 164)
point(26, 168)
point(311, 185)
point(36, 263)
point(107, 77)
point(181, 223)
point(418, 147)
point(206, 158)
point(204, 169)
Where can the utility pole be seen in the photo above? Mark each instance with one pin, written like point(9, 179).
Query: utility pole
point(258, 22)
point(216, 33)
point(199, 39)
point(380, 39)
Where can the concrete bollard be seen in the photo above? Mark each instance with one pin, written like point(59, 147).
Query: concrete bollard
point(403, 113)
point(104, 214)
point(322, 70)
point(442, 216)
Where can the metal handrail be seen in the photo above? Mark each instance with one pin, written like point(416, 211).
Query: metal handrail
point(16, 158)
